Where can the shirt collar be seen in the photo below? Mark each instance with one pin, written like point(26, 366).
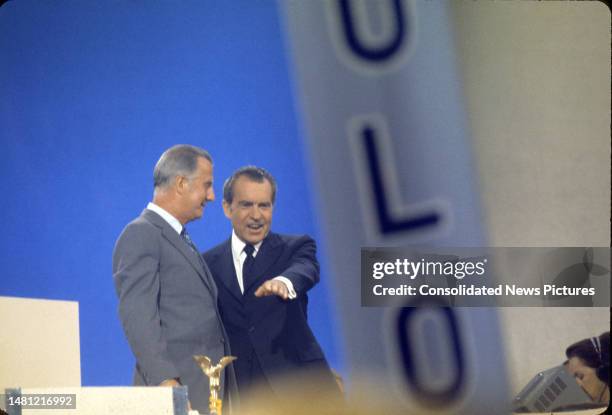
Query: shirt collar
point(238, 245)
point(172, 221)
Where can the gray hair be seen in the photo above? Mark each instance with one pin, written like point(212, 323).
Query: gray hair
point(179, 160)
point(254, 173)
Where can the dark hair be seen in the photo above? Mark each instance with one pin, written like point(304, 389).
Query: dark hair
point(587, 351)
point(254, 173)
point(179, 160)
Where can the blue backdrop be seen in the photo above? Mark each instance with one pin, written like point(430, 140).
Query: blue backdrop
point(91, 93)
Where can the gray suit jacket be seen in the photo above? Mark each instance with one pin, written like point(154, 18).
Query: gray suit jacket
point(168, 308)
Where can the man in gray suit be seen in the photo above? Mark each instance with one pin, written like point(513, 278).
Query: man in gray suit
point(167, 296)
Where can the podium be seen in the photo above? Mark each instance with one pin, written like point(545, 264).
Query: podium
point(40, 370)
point(40, 343)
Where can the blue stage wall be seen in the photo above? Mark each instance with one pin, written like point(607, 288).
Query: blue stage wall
point(91, 93)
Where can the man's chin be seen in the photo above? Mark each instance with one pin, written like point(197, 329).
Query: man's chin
point(255, 238)
point(197, 215)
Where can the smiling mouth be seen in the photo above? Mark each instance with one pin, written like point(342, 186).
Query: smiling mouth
point(255, 226)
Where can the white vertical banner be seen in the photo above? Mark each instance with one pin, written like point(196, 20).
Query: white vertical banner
point(380, 101)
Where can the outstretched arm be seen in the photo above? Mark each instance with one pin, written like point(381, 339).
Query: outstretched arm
point(301, 274)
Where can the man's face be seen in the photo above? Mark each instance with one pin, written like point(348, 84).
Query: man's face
point(250, 210)
point(196, 191)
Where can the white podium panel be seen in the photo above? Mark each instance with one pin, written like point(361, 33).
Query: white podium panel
point(40, 343)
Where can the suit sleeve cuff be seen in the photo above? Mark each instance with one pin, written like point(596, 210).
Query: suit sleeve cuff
point(289, 284)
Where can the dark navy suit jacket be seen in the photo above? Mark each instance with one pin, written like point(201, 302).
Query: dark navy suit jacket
point(277, 330)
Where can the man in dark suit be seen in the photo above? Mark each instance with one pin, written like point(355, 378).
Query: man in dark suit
point(167, 296)
point(263, 279)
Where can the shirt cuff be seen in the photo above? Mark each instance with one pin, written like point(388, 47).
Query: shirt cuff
point(289, 284)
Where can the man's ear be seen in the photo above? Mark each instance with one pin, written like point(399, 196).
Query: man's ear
point(181, 183)
point(227, 209)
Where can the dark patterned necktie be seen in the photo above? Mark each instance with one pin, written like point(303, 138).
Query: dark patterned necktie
point(185, 236)
point(247, 266)
point(207, 277)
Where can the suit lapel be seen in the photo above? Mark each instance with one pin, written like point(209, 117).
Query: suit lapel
point(227, 271)
point(270, 250)
point(175, 240)
point(208, 279)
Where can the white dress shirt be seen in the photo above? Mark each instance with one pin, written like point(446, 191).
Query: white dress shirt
point(172, 221)
point(239, 256)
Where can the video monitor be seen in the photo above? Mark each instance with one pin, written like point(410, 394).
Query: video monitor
point(551, 390)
